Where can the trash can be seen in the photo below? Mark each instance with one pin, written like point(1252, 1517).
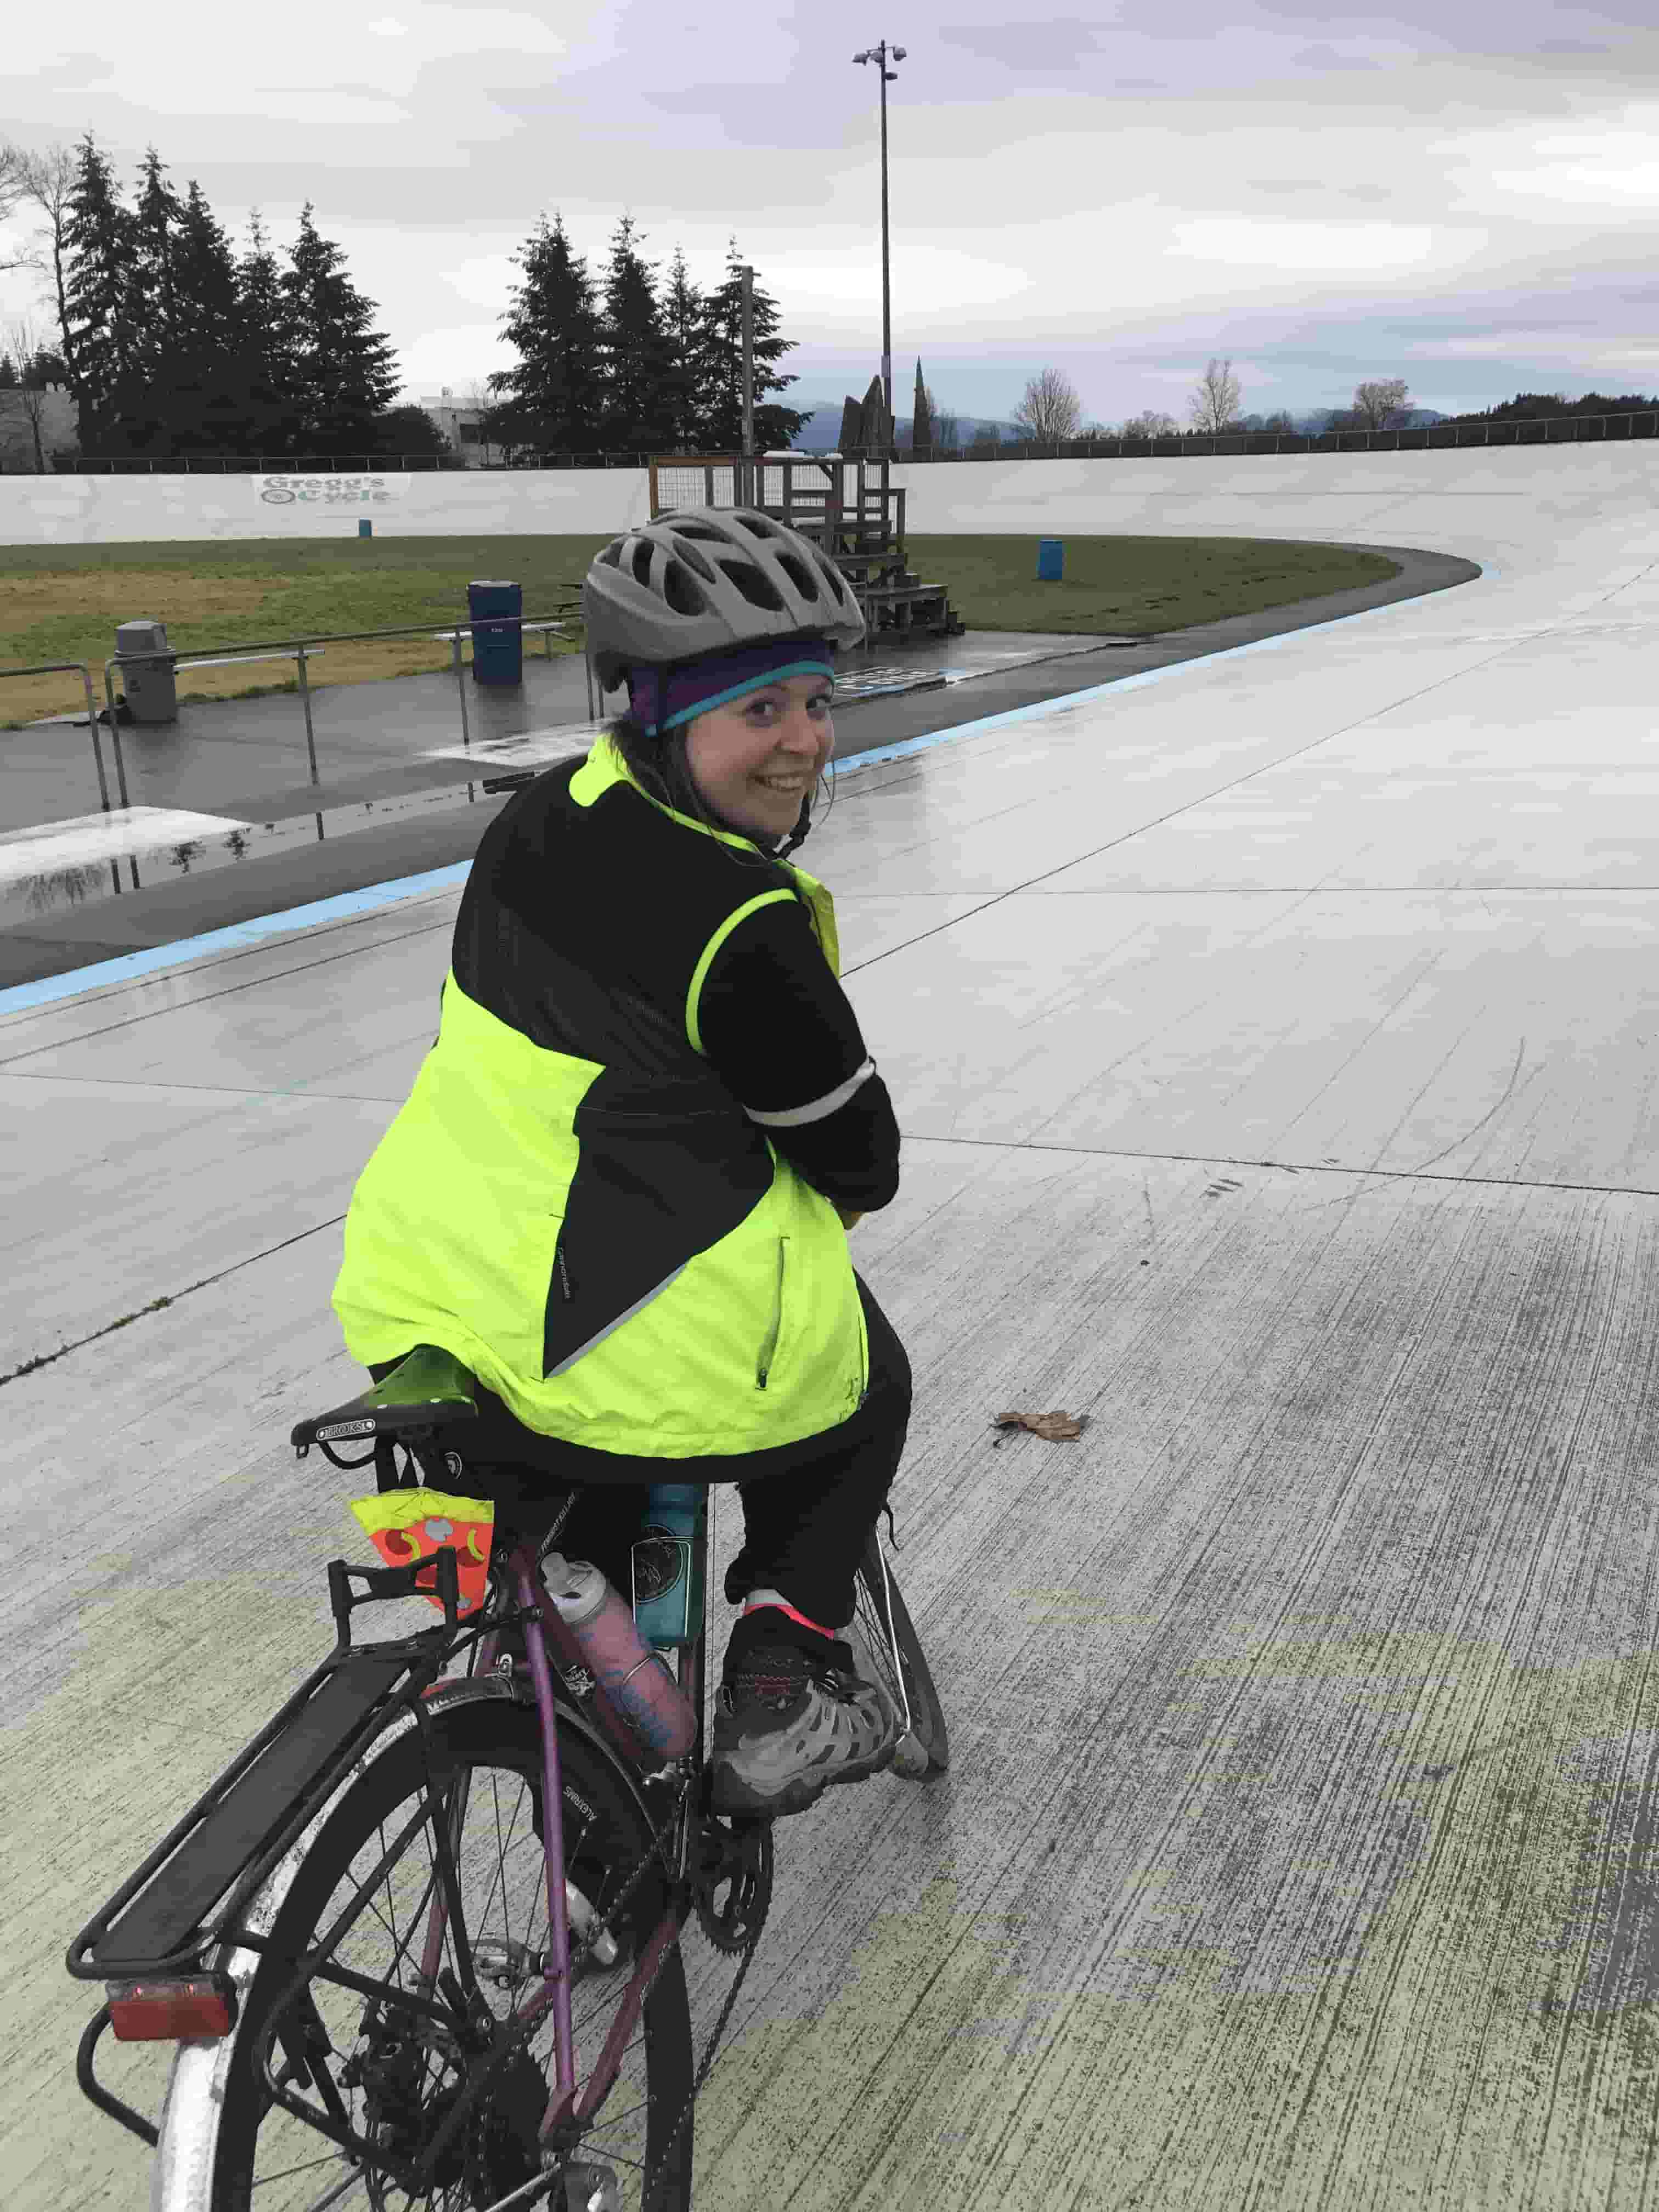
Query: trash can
point(1051, 556)
point(147, 667)
point(497, 654)
point(365, 528)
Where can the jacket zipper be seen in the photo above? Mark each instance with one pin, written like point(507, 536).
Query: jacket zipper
point(768, 1350)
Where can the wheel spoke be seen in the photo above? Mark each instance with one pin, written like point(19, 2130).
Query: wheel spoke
point(400, 2074)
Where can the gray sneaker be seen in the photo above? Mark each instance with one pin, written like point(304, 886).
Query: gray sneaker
point(787, 1724)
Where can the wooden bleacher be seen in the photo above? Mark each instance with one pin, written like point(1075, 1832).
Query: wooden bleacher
point(846, 505)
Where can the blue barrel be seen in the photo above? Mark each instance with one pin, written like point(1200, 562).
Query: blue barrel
point(1051, 554)
point(365, 528)
point(497, 653)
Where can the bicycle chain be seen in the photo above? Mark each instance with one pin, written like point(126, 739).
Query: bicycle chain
point(748, 1954)
point(601, 1927)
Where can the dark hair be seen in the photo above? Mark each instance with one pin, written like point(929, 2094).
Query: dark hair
point(661, 768)
point(644, 754)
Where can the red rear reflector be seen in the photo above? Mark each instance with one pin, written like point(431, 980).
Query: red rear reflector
point(168, 2012)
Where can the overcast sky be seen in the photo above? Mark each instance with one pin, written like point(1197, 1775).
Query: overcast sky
point(1463, 195)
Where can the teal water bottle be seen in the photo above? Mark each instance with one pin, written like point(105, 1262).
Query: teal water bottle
point(668, 1565)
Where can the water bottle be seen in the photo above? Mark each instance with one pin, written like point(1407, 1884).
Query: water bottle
point(635, 1679)
point(668, 1564)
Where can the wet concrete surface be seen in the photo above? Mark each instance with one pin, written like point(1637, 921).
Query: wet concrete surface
point(398, 795)
point(1272, 1046)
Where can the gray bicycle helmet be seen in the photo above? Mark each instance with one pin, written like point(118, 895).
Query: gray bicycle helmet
point(705, 579)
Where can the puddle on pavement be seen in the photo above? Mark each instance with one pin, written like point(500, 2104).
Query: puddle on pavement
point(25, 898)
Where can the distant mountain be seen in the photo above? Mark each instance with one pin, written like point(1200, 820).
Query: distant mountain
point(822, 429)
point(1320, 420)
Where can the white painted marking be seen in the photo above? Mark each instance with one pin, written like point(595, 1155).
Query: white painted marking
point(534, 749)
point(85, 839)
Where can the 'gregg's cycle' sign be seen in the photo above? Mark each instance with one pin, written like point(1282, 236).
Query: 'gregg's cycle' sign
point(326, 491)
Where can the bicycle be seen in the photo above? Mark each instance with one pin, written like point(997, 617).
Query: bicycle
point(450, 2077)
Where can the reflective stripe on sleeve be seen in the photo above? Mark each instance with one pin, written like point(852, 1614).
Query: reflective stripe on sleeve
point(797, 1117)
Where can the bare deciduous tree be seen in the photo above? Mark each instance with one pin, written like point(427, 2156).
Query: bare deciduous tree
point(14, 191)
point(945, 428)
point(1215, 402)
point(26, 398)
point(46, 181)
point(1050, 411)
point(1150, 424)
point(1374, 403)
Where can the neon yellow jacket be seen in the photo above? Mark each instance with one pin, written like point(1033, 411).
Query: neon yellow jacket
point(571, 1201)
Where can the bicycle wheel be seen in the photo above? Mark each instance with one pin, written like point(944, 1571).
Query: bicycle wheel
point(392, 2076)
point(924, 1749)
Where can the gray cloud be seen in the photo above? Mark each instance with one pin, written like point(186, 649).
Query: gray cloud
point(1463, 198)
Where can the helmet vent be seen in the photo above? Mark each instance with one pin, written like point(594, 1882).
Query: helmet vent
point(758, 590)
point(832, 574)
point(643, 550)
point(799, 575)
point(695, 558)
point(682, 590)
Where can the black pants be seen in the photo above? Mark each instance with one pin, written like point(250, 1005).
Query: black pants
point(806, 1512)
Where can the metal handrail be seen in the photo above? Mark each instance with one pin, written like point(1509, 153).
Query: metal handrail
point(300, 650)
point(63, 668)
point(359, 636)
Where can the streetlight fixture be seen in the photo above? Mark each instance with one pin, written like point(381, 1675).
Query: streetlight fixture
point(747, 495)
point(879, 55)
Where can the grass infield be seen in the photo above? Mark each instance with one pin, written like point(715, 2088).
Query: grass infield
point(63, 603)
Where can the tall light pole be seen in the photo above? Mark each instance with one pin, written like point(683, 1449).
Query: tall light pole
point(748, 276)
point(879, 55)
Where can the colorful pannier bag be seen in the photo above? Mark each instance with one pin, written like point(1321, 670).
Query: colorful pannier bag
point(407, 1525)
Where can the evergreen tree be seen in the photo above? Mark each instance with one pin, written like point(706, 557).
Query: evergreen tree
point(44, 367)
point(98, 334)
point(264, 373)
point(721, 413)
point(344, 378)
point(146, 404)
point(205, 403)
point(554, 401)
point(921, 416)
point(686, 375)
point(408, 429)
point(638, 412)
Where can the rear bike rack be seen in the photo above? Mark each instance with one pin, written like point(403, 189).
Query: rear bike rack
point(184, 1902)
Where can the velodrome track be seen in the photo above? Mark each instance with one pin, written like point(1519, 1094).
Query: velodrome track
point(1272, 1041)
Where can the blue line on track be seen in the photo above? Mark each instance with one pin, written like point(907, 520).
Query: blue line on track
point(131, 965)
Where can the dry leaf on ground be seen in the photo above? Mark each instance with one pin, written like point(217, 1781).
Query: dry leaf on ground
point(1057, 1427)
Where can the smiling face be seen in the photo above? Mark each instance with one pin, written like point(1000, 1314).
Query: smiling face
point(754, 759)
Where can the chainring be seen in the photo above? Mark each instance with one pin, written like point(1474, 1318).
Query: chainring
point(738, 1858)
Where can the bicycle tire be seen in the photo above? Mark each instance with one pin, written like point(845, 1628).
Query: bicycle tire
point(479, 1734)
point(927, 1749)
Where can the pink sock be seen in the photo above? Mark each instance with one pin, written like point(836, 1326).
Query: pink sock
point(757, 1604)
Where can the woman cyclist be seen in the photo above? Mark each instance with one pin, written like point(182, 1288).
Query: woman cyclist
point(620, 1187)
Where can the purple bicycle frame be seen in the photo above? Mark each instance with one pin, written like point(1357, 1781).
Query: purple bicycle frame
point(540, 1617)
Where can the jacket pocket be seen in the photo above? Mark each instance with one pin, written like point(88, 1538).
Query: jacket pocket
point(774, 1332)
